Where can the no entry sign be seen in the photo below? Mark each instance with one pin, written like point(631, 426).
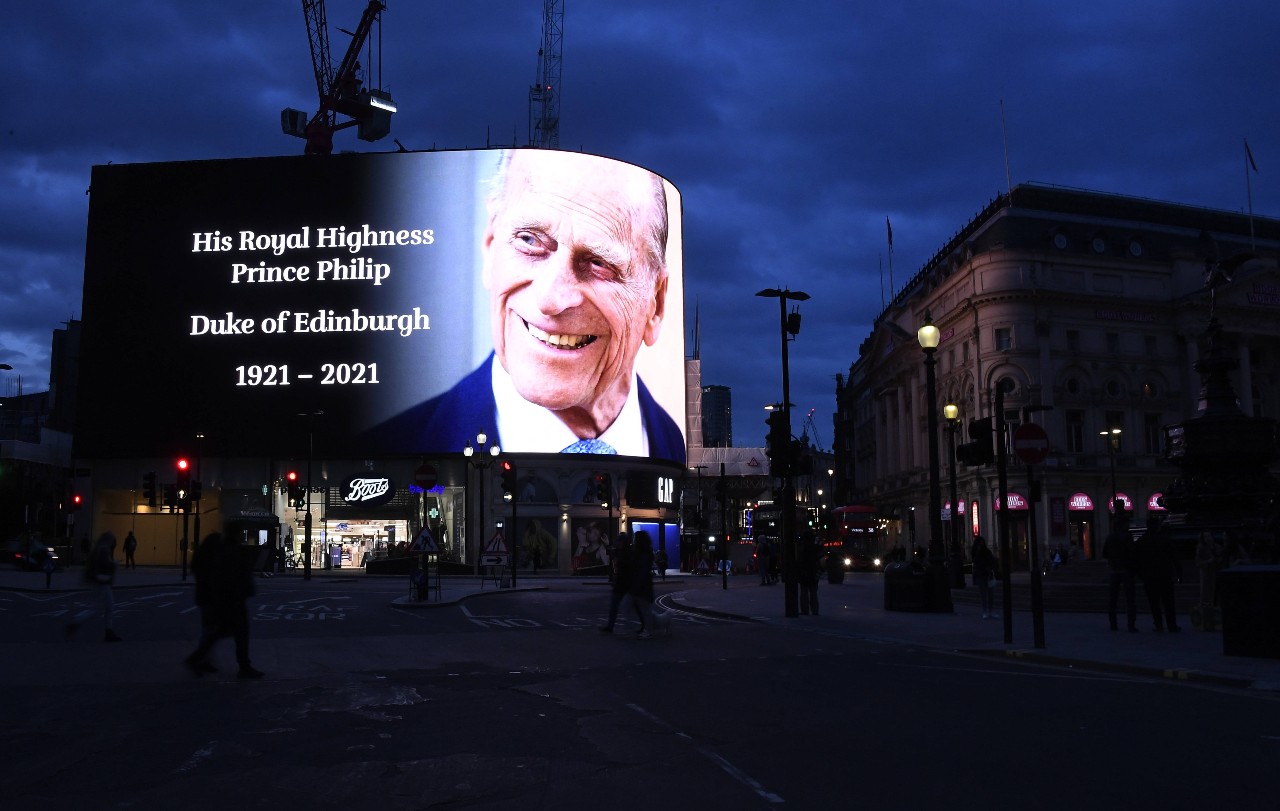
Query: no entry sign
point(1030, 443)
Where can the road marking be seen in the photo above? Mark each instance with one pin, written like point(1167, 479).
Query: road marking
point(729, 769)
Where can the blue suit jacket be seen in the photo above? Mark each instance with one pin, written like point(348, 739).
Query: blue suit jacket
point(445, 424)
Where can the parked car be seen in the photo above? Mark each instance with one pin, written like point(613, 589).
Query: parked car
point(29, 555)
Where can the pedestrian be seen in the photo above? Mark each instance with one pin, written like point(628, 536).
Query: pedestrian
point(130, 546)
point(1210, 552)
point(1122, 557)
point(660, 563)
point(808, 573)
point(642, 582)
point(224, 583)
point(1159, 566)
point(985, 567)
point(620, 580)
point(762, 561)
point(99, 573)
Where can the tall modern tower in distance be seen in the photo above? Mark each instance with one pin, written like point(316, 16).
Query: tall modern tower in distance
point(717, 417)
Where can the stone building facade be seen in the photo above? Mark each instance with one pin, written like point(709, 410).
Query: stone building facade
point(1092, 309)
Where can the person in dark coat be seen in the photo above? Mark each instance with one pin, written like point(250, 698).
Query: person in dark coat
point(99, 573)
point(985, 567)
point(1158, 566)
point(1122, 556)
point(808, 573)
point(642, 582)
point(223, 585)
point(621, 582)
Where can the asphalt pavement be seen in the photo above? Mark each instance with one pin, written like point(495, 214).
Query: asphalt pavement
point(855, 608)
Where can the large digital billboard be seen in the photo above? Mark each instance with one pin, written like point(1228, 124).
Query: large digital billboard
point(381, 305)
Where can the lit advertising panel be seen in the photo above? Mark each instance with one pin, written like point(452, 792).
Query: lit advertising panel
point(394, 303)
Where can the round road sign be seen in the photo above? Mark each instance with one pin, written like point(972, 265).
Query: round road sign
point(1031, 443)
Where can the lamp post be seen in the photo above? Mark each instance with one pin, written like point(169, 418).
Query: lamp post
point(929, 336)
point(481, 462)
point(955, 563)
point(306, 531)
point(790, 326)
point(1113, 444)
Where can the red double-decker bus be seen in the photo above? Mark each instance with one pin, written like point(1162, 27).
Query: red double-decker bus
point(855, 534)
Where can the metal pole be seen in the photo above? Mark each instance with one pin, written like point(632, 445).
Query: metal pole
point(724, 530)
point(791, 592)
point(1037, 597)
point(956, 564)
point(1002, 514)
point(939, 590)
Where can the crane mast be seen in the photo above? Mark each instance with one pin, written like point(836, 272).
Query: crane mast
point(340, 88)
point(544, 95)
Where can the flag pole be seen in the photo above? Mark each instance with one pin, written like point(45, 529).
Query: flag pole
point(1248, 184)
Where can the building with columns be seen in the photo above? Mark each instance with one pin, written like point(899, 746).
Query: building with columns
point(1090, 310)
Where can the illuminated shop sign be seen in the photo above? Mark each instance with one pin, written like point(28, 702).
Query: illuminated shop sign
point(367, 491)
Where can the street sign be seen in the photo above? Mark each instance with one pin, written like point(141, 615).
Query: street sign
point(1031, 443)
point(497, 545)
point(493, 559)
point(425, 542)
point(425, 476)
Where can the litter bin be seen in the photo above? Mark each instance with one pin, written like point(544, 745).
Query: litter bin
point(906, 587)
point(1250, 600)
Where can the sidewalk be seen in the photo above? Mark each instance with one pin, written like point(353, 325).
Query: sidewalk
point(854, 608)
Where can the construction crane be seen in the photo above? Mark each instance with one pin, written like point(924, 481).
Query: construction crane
point(341, 89)
point(544, 94)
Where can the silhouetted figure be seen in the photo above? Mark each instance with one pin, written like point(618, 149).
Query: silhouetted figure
point(985, 567)
point(99, 573)
point(621, 581)
point(223, 584)
point(642, 582)
point(130, 546)
point(1122, 556)
point(1159, 566)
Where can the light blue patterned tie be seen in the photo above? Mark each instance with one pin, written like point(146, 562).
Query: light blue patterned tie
point(590, 446)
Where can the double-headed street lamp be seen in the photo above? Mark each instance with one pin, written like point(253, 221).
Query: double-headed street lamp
point(481, 462)
point(790, 327)
point(939, 592)
point(955, 563)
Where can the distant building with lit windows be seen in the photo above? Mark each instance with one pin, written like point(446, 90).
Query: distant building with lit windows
point(717, 417)
point(1094, 308)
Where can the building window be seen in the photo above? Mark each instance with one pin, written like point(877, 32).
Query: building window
point(1004, 338)
point(1073, 385)
point(1073, 340)
point(1113, 343)
point(1115, 419)
point(1075, 432)
point(1113, 388)
point(1151, 432)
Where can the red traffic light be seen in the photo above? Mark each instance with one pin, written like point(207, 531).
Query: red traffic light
point(292, 475)
point(183, 464)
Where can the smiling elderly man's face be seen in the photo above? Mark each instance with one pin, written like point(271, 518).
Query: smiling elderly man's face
point(574, 283)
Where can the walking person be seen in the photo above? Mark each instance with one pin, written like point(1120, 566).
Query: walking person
point(99, 573)
point(130, 546)
point(642, 582)
point(660, 563)
point(1159, 566)
point(1122, 557)
point(985, 567)
point(621, 580)
point(224, 583)
point(808, 573)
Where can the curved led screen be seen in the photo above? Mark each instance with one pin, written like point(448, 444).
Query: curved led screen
point(381, 305)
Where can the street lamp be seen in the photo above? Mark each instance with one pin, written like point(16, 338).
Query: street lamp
point(951, 413)
point(306, 527)
point(481, 464)
point(929, 337)
point(790, 327)
point(1113, 445)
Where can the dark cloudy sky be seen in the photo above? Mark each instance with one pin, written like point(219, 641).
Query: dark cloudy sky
point(792, 129)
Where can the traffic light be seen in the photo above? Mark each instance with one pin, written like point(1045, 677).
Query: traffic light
point(979, 451)
point(295, 489)
point(606, 488)
point(196, 487)
point(170, 496)
point(777, 442)
point(509, 479)
point(74, 502)
point(149, 487)
point(183, 481)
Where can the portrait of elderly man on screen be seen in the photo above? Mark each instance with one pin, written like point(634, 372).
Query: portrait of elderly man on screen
point(574, 262)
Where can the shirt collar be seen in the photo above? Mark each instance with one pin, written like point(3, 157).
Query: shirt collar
point(524, 427)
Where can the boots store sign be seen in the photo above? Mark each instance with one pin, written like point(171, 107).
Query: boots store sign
point(367, 491)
